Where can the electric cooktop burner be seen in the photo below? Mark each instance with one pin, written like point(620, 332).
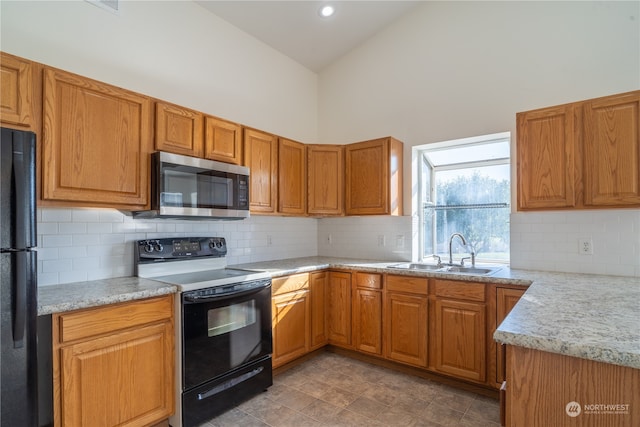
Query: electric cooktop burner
point(189, 262)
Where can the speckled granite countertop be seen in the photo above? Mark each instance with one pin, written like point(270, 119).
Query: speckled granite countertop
point(587, 316)
point(73, 296)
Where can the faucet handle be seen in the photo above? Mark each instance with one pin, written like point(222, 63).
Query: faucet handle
point(436, 257)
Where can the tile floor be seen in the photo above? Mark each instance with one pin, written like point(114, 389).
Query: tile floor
point(333, 390)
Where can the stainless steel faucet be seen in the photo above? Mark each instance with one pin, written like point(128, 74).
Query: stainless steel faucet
point(464, 243)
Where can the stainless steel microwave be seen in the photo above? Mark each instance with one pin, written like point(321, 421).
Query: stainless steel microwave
point(193, 188)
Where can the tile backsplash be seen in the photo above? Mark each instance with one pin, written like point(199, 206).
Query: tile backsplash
point(367, 237)
point(87, 244)
point(550, 241)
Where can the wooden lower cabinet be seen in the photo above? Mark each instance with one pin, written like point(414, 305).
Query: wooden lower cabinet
point(506, 299)
point(114, 365)
point(367, 313)
point(406, 328)
point(318, 283)
point(548, 389)
point(290, 313)
point(406, 320)
point(339, 308)
point(457, 341)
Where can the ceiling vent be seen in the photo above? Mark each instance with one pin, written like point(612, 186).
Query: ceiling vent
point(112, 6)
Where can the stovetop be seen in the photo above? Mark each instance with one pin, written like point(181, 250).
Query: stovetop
point(189, 262)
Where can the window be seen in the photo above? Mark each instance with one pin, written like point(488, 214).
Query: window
point(465, 188)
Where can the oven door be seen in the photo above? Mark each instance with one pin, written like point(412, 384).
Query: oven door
point(223, 329)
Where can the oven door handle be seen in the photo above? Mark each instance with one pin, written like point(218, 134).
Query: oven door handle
point(195, 299)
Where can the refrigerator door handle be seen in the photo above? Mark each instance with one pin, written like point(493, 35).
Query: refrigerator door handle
point(25, 194)
point(20, 299)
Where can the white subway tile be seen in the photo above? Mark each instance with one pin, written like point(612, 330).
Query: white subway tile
point(56, 215)
point(99, 228)
point(56, 241)
point(47, 228)
point(72, 228)
point(58, 265)
point(111, 215)
point(72, 252)
point(47, 279)
point(72, 276)
point(85, 215)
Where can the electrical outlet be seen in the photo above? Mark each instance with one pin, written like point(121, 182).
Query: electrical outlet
point(400, 241)
point(269, 240)
point(585, 246)
point(329, 239)
point(381, 240)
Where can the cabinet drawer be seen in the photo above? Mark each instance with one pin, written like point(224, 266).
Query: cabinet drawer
point(97, 321)
point(413, 285)
point(292, 283)
point(370, 281)
point(459, 290)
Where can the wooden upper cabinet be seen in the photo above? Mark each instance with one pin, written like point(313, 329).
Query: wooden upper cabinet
point(292, 177)
point(374, 177)
point(325, 183)
point(261, 157)
point(222, 140)
point(179, 130)
point(16, 90)
point(547, 145)
point(612, 151)
point(96, 143)
point(582, 155)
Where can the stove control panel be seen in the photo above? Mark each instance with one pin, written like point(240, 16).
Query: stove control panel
point(175, 248)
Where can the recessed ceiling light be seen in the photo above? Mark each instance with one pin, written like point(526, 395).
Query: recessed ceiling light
point(327, 10)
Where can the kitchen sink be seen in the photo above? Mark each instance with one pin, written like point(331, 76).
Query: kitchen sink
point(453, 269)
point(417, 266)
point(479, 271)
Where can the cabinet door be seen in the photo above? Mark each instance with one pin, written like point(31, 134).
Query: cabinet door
point(123, 379)
point(547, 145)
point(178, 130)
point(16, 90)
point(373, 178)
point(339, 308)
point(367, 321)
point(457, 341)
point(96, 143)
point(325, 183)
point(261, 156)
point(318, 295)
point(506, 299)
point(292, 177)
point(290, 315)
point(612, 151)
point(222, 140)
point(406, 328)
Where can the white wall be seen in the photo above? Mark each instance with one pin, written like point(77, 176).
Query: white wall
point(450, 70)
point(173, 50)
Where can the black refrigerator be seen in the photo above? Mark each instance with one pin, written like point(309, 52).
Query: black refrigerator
point(18, 293)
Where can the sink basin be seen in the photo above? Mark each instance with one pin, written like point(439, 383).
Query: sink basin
point(417, 266)
point(453, 269)
point(478, 271)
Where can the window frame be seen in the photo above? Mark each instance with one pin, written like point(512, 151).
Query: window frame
point(447, 145)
